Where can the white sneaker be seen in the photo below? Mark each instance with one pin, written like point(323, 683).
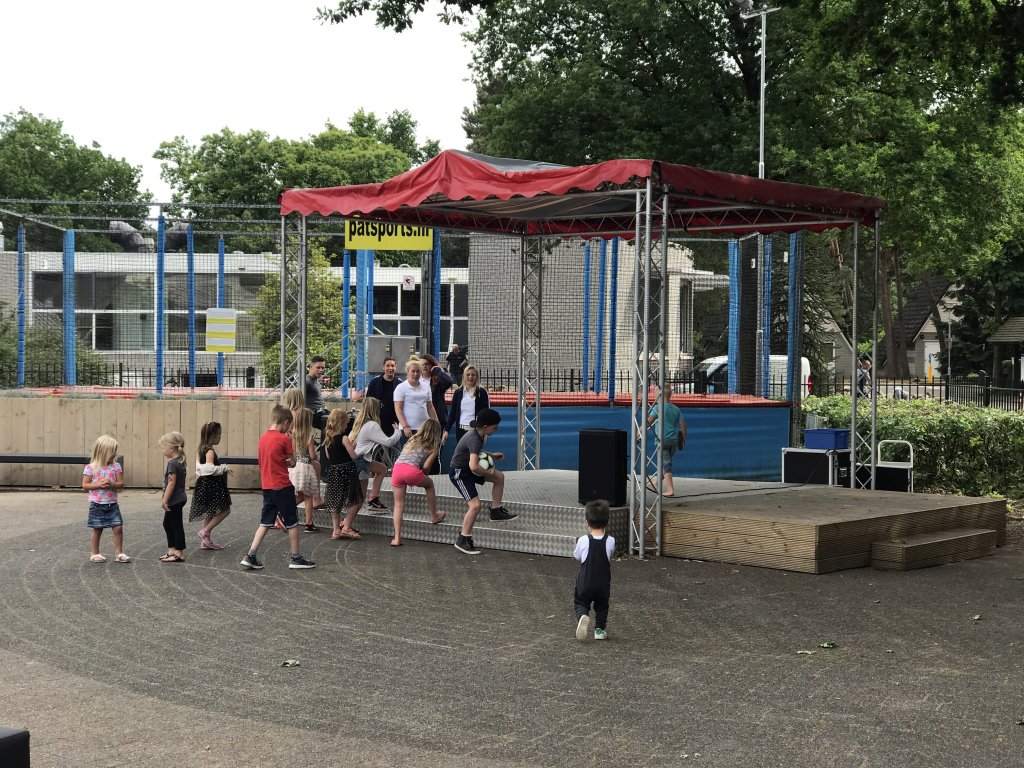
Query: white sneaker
point(600, 634)
point(583, 627)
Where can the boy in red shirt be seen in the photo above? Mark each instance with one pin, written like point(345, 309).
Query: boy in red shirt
point(276, 455)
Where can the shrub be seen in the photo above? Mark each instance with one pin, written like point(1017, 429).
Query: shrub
point(962, 449)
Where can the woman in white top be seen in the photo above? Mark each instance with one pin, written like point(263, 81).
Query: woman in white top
point(467, 402)
point(368, 436)
point(413, 404)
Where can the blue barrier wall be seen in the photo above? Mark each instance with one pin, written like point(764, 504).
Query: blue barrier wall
point(732, 443)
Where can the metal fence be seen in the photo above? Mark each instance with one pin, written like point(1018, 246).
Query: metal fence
point(969, 390)
point(123, 374)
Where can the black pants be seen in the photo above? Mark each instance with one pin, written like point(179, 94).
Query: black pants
point(175, 527)
point(599, 599)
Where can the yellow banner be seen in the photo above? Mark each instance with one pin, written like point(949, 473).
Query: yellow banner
point(381, 236)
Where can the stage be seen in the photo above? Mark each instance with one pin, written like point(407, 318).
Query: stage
point(806, 528)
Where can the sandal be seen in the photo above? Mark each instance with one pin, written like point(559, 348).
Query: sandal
point(210, 545)
point(97, 559)
point(122, 558)
point(172, 559)
point(351, 533)
point(440, 519)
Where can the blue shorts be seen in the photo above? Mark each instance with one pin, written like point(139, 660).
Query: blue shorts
point(362, 466)
point(279, 501)
point(669, 453)
point(104, 515)
point(465, 482)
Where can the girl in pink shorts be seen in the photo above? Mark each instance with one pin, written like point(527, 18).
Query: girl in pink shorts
point(419, 452)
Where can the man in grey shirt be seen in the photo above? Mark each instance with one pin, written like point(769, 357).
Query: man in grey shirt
point(314, 394)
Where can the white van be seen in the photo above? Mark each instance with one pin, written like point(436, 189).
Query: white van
point(715, 370)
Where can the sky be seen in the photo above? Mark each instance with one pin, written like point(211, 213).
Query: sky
point(129, 75)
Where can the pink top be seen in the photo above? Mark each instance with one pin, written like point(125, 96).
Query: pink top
point(95, 474)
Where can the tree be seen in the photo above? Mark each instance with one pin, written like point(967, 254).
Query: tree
point(38, 161)
point(44, 344)
point(911, 104)
point(398, 14)
point(398, 130)
point(323, 316)
point(987, 299)
point(252, 168)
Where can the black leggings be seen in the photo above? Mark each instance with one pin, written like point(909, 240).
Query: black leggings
point(175, 527)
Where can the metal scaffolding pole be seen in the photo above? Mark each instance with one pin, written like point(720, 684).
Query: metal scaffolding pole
point(531, 269)
point(293, 301)
point(649, 290)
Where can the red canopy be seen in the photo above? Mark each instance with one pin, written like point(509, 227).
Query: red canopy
point(462, 190)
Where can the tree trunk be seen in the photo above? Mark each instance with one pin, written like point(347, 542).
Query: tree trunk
point(901, 365)
point(885, 302)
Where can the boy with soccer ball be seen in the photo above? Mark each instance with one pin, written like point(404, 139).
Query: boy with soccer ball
point(470, 468)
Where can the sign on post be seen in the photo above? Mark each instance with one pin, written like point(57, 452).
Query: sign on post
point(381, 236)
point(221, 324)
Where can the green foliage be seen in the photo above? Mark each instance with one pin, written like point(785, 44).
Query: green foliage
point(39, 161)
point(46, 342)
point(398, 14)
point(253, 168)
point(398, 130)
point(960, 449)
point(986, 300)
point(323, 317)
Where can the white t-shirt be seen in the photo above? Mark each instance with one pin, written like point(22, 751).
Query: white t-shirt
point(414, 402)
point(467, 412)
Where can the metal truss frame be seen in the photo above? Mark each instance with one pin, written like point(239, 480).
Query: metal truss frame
point(293, 301)
point(650, 289)
point(531, 264)
point(863, 432)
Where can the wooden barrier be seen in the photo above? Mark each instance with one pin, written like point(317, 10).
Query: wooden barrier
point(68, 427)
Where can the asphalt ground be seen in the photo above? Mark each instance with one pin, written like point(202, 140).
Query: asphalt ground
point(423, 656)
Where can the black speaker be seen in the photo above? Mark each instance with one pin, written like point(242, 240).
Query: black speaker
point(603, 466)
point(13, 748)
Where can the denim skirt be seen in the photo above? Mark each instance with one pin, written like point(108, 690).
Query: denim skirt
point(104, 515)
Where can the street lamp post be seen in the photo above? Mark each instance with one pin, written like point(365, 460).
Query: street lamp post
point(747, 12)
point(762, 353)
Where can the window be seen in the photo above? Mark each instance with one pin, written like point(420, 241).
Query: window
point(385, 300)
point(410, 301)
point(47, 290)
point(461, 300)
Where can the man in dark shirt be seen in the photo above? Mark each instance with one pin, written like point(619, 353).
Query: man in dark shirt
point(864, 376)
point(314, 394)
point(456, 362)
point(383, 388)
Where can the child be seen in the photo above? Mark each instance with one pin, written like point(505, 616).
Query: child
point(466, 474)
point(671, 434)
point(276, 456)
point(418, 454)
point(102, 478)
point(368, 434)
point(305, 474)
point(173, 446)
point(341, 475)
point(594, 582)
point(211, 499)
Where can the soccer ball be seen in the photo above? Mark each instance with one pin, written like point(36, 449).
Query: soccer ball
point(485, 460)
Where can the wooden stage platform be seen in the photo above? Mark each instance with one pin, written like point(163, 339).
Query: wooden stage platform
point(807, 528)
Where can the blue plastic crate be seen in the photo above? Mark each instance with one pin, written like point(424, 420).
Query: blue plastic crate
point(827, 439)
